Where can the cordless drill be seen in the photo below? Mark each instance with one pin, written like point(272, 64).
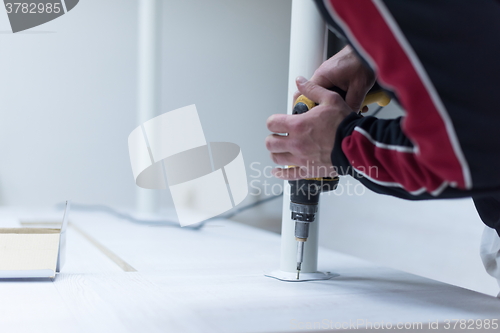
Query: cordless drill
point(304, 193)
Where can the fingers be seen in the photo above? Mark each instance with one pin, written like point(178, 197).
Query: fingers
point(289, 173)
point(276, 143)
point(294, 173)
point(278, 123)
point(287, 159)
point(315, 92)
point(354, 98)
point(321, 80)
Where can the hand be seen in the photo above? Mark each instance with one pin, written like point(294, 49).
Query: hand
point(346, 71)
point(311, 135)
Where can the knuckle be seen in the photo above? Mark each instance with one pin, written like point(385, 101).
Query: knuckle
point(305, 162)
point(317, 75)
point(298, 125)
point(270, 121)
point(334, 98)
point(311, 87)
point(300, 163)
point(324, 113)
point(268, 143)
point(274, 158)
point(298, 146)
point(281, 160)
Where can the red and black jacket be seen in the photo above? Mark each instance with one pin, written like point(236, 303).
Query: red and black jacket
point(441, 60)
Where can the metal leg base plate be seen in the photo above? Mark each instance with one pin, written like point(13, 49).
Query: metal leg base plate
point(292, 277)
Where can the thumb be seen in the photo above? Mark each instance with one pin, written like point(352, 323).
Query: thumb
point(312, 91)
point(292, 173)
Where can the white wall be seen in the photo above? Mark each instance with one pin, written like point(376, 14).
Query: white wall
point(68, 91)
point(67, 103)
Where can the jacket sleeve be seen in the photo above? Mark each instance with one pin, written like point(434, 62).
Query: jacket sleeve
point(447, 143)
point(379, 154)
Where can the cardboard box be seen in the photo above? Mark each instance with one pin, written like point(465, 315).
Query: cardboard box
point(33, 252)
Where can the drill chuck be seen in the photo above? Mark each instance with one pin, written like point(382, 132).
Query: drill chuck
point(303, 212)
point(301, 231)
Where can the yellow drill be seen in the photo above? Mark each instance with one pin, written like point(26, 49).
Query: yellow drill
point(304, 193)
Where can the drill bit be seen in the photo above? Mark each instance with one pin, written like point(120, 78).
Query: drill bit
point(300, 255)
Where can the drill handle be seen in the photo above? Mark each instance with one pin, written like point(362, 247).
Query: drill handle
point(304, 104)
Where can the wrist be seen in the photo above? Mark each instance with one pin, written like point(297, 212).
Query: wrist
point(340, 162)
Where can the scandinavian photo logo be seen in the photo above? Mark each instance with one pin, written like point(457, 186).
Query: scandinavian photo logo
point(25, 15)
point(205, 179)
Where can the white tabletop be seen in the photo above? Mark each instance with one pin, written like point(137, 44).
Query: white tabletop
point(123, 277)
